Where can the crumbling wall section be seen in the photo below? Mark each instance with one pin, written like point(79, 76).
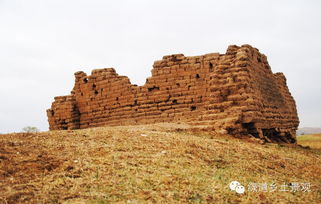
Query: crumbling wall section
point(233, 93)
point(271, 113)
point(176, 91)
point(63, 114)
point(228, 94)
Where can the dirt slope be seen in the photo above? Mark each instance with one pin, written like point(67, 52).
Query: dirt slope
point(156, 163)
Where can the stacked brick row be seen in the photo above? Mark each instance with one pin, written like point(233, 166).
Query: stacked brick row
point(234, 93)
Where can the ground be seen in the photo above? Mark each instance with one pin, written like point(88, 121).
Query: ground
point(313, 141)
point(162, 163)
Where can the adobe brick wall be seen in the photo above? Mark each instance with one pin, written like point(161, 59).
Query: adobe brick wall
point(233, 93)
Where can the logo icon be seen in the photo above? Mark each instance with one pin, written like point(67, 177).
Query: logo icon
point(237, 187)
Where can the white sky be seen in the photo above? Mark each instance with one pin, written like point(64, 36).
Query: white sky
point(43, 42)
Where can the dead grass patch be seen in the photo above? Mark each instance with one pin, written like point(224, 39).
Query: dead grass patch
point(162, 163)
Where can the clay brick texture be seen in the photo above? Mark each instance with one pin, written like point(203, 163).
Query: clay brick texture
point(234, 93)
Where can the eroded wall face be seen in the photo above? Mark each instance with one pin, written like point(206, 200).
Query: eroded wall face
point(64, 114)
point(229, 95)
point(177, 90)
point(234, 93)
point(275, 111)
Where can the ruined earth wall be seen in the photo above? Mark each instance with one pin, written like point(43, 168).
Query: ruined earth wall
point(233, 93)
point(177, 90)
point(272, 113)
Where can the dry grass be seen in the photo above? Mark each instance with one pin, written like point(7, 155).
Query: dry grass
point(149, 164)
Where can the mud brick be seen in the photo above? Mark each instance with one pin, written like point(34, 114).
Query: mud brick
point(234, 93)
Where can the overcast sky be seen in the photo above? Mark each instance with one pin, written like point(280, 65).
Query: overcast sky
point(43, 42)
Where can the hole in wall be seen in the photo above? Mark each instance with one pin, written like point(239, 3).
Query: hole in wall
point(230, 130)
point(85, 80)
point(197, 76)
point(64, 125)
point(177, 84)
point(276, 136)
point(251, 129)
point(174, 101)
point(94, 86)
point(153, 88)
point(96, 92)
point(193, 108)
point(259, 59)
point(211, 66)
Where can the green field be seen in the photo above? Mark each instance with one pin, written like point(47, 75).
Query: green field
point(313, 141)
